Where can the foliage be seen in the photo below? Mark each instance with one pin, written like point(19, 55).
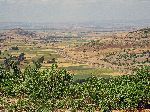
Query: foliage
point(21, 57)
point(41, 59)
point(54, 89)
point(15, 48)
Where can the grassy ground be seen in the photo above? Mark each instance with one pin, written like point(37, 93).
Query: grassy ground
point(84, 71)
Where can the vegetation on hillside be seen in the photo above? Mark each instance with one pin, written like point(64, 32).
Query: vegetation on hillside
point(54, 89)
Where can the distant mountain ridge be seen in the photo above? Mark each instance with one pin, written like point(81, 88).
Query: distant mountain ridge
point(22, 32)
point(101, 26)
point(17, 32)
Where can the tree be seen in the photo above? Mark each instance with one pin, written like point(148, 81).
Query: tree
point(41, 59)
point(21, 57)
point(146, 33)
point(53, 60)
point(37, 64)
point(15, 48)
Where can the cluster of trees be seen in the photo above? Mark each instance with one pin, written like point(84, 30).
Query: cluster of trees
point(11, 60)
point(125, 58)
point(40, 60)
point(15, 48)
point(54, 89)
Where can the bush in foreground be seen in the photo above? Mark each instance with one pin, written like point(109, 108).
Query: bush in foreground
point(54, 89)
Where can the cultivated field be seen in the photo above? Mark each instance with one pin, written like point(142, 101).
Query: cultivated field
point(36, 45)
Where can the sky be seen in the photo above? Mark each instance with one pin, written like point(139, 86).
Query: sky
point(77, 11)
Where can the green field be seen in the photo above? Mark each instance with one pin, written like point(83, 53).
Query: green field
point(34, 51)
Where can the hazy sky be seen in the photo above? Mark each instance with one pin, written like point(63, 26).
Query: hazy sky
point(73, 10)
